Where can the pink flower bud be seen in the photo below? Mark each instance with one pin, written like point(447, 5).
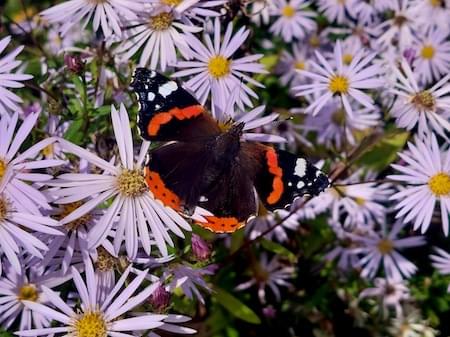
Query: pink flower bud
point(200, 248)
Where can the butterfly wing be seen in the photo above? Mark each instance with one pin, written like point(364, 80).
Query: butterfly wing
point(283, 176)
point(167, 111)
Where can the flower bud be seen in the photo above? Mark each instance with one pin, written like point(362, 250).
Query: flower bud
point(200, 248)
point(74, 63)
point(159, 299)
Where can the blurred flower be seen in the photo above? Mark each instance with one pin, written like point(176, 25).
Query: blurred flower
point(427, 175)
point(269, 312)
point(200, 248)
point(380, 248)
point(188, 279)
point(412, 325)
point(160, 31)
point(106, 316)
point(74, 63)
point(433, 56)
point(441, 261)
point(415, 105)
point(16, 288)
point(335, 10)
point(260, 11)
point(191, 9)
point(268, 274)
point(8, 100)
point(289, 64)
point(108, 15)
point(132, 205)
point(294, 20)
point(391, 294)
point(343, 251)
point(214, 70)
point(345, 81)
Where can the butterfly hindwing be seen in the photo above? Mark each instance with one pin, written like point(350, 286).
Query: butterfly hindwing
point(167, 111)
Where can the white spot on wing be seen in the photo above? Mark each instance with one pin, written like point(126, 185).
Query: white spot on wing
point(300, 167)
point(203, 199)
point(151, 96)
point(300, 184)
point(167, 88)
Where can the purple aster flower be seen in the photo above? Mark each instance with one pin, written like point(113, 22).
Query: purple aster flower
point(108, 15)
point(335, 10)
point(16, 288)
point(381, 248)
point(214, 70)
point(106, 316)
point(342, 80)
point(8, 100)
point(441, 261)
point(294, 20)
point(426, 174)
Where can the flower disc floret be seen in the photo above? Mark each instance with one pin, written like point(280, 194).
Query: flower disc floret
point(440, 184)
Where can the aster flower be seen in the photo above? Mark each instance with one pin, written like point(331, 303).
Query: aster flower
point(8, 100)
point(132, 204)
point(335, 10)
point(16, 288)
point(190, 9)
point(269, 274)
point(343, 251)
point(441, 261)
point(436, 9)
point(293, 20)
point(14, 177)
point(381, 248)
point(416, 105)
point(412, 325)
point(106, 14)
point(290, 63)
point(433, 56)
point(214, 70)
point(390, 293)
point(103, 315)
point(260, 11)
point(344, 81)
point(426, 174)
point(400, 29)
point(158, 33)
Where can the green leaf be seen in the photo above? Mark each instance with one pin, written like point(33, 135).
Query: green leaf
point(236, 307)
point(4, 333)
point(278, 249)
point(74, 134)
point(385, 151)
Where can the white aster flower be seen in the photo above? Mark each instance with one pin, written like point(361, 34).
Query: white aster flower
point(293, 21)
point(8, 100)
point(441, 261)
point(158, 33)
point(104, 316)
point(426, 174)
point(335, 10)
point(381, 247)
point(290, 63)
point(132, 204)
point(412, 325)
point(260, 11)
point(190, 9)
point(108, 15)
point(433, 56)
point(342, 80)
point(417, 105)
point(391, 294)
point(216, 73)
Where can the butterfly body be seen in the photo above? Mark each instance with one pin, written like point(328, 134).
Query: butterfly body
point(204, 165)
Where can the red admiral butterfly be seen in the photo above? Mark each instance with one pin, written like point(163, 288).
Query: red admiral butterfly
point(204, 165)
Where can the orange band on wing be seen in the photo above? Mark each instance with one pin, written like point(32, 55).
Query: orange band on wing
point(165, 117)
point(160, 191)
point(277, 184)
point(222, 224)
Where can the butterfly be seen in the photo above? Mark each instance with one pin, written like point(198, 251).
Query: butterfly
point(206, 165)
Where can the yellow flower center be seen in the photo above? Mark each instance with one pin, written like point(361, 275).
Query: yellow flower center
point(3, 168)
point(48, 150)
point(439, 184)
point(300, 65)
point(288, 11)
point(75, 224)
point(161, 21)
point(219, 66)
point(4, 208)
point(131, 183)
point(338, 84)
point(339, 191)
point(105, 261)
point(424, 100)
point(360, 201)
point(339, 117)
point(24, 14)
point(172, 2)
point(314, 41)
point(436, 3)
point(385, 246)
point(28, 292)
point(347, 58)
point(91, 324)
point(427, 52)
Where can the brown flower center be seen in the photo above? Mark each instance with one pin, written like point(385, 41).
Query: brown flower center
point(162, 21)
